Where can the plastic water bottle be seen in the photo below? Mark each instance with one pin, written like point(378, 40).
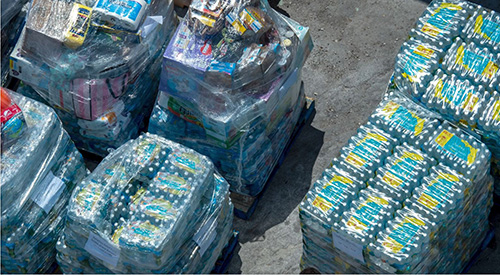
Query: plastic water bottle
point(490, 118)
point(483, 28)
point(366, 151)
point(470, 61)
point(402, 172)
point(405, 243)
point(440, 193)
point(415, 64)
point(459, 150)
point(365, 218)
point(403, 118)
point(442, 21)
point(458, 100)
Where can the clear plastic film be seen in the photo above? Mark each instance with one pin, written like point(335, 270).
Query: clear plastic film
point(415, 64)
point(460, 150)
point(365, 151)
point(483, 28)
point(456, 99)
point(12, 120)
point(469, 61)
point(460, 208)
point(39, 170)
point(366, 216)
point(402, 172)
point(13, 15)
point(490, 117)
point(440, 193)
point(10, 9)
point(330, 196)
point(444, 187)
point(97, 62)
point(402, 117)
point(230, 87)
point(442, 21)
point(154, 205)
point(404, 244)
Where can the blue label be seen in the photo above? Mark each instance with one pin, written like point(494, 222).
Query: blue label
point(406, 119)
point(439, 190)
point(404, 168)
point(455, 96)
point(491, 30)
point(367, 213)
point(416, 63)
point(222, 67)
point(123, 8)
point(475, 62)
point(443, 18)
point(333, 192)
point(368, 150)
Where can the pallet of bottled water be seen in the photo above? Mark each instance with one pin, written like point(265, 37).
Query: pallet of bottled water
point(151, 206)
point(409, 193)
point(40, 167)
point(451, 65)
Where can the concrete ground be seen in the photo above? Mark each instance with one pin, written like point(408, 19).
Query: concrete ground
point(356, 43)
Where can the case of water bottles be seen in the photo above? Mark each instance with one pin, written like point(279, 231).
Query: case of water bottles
point(230, 87)
point(151, 206)
point(451, 65)
point(96, 62)
point(40, 167)
point(410, 193)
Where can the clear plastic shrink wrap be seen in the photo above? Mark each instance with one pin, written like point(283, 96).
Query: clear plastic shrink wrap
point(230, 87)
point(13, 18)
point(421, 207)
point(151, 206)
point(40, 167)
point(451, 65)
point(97, 62)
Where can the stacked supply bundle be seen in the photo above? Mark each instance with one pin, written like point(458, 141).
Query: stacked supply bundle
point(96, 62)
point(230, 87)
point(13, 15)
point(451, 65)
point(40, 167)
point(151, 206)
point(408, 194)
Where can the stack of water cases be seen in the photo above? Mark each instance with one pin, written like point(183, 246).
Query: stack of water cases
point(230, 87)
point(151, 206)
point(40, 167)
point(451, 65)
point(96, 62)
point(410, 193)
point(13, 15)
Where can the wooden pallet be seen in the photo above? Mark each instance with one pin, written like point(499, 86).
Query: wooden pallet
point(484, 244)
point(244, 206)
point(227, 254)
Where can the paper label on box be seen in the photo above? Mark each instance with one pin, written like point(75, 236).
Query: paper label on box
point(49, 192)
point(348, 247)
point(206, 235)
point(102, 249)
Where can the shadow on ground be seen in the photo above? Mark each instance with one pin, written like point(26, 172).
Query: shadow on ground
point(287, 188)
point(488, 260)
